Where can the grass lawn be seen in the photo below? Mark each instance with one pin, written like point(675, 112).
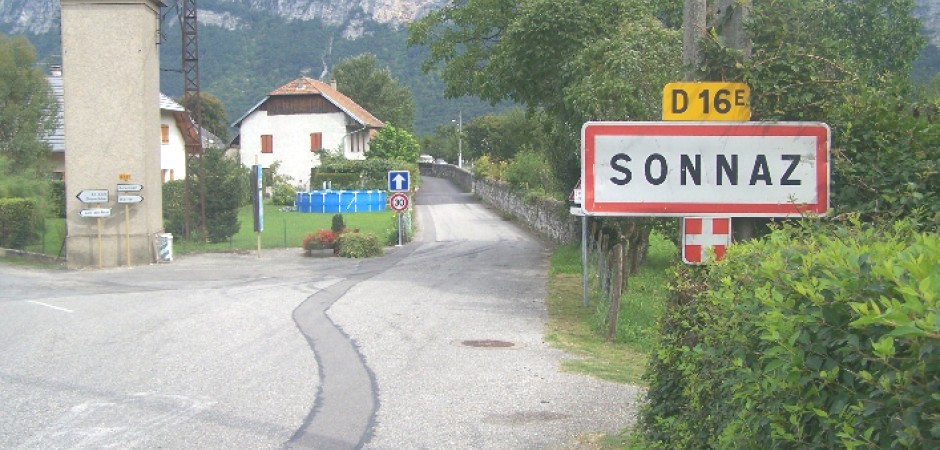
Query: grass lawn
point(52, 239)
point(579, 330)
point(283, 229)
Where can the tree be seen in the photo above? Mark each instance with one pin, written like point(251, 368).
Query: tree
point(811, 55)
point(502, 135)
point(394, 144)
point(226, 191)
point(28, 109)
point(214, 117)
point(376, 90)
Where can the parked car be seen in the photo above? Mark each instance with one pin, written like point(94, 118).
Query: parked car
point(426, 159)
point(440, 161)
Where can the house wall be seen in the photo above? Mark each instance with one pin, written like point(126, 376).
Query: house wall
point(112, 128)
point(173, 153)
point(291, 136)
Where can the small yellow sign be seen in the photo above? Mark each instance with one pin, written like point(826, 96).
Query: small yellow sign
point(124, 177)
point(707, 101)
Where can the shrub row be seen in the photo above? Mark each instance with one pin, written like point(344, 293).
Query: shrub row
point(816, 336)
point(20, 222)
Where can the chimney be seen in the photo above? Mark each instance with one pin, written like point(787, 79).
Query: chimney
point(333, 83)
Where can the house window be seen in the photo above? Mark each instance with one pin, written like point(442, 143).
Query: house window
point(165, 134)
point(267, 143)
point(316, 142)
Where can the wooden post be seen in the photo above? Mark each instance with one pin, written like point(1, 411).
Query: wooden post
point(127, 230)
point(615, 290)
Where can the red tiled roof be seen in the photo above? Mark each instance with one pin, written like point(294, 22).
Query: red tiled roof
point(310, 86)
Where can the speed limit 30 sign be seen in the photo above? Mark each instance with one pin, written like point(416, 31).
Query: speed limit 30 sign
point(398, 202)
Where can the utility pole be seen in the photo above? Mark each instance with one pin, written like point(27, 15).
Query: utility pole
point(728, 19)
point(693, 31)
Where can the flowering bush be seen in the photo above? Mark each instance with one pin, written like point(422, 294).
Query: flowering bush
point(320, 239)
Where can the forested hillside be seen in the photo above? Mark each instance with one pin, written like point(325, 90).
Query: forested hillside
point(240, 65)
point(246, 51)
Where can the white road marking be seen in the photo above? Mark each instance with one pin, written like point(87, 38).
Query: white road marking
point(49, 306)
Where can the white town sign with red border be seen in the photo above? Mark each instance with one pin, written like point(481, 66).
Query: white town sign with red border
point(705, 239)
point(749, 169)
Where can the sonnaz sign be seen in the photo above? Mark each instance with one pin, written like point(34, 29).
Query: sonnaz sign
point(749, 169)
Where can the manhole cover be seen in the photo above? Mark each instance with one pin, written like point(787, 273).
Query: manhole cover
point(488, 343)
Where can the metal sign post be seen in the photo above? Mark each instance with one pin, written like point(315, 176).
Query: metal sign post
point(399, 203)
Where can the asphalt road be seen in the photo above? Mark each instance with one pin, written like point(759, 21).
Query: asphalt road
point(438, 344)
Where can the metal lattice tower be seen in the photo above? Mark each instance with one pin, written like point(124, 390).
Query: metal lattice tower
point(191, 97)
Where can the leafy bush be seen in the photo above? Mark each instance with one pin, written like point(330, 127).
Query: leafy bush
point(338, 224)
point(284, 194)
point(174, 209)
point(359, 245)
point(227, 189)
point(407, 230)
point(528, 170)
point(335, 180)
point(887, 159)
point(486, 167)
point(20, 222)
point(57, 198)
point(369, 174)
point(818, 336)
point(392, 143)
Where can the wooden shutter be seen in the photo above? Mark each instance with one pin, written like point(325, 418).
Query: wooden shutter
point(316, 142)
point(165, 134)
point(267, 143)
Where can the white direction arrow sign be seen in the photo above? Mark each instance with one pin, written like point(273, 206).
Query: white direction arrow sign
point(124, 187)
point(93, 196)
point(96, 212)
point(130, 199)
point(399, 180)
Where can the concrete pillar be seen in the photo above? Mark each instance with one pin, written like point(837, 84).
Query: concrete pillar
point(111, 79)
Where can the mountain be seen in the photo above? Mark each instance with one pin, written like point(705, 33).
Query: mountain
point(249, 47)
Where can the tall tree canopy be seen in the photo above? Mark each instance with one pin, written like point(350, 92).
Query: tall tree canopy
point(376, 90)
point(28, 109)
point(576, 60)
point(810, 55)
point(214, 117)
point(396, 144)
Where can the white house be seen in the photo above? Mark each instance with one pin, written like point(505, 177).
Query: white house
point(175, 136)
point(173, 139)
point(297, 121)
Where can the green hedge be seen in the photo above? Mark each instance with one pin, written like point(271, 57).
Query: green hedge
point(817, 336)
point(365, 174)
point(20, 222)
point(336, 180)
point(359, 245)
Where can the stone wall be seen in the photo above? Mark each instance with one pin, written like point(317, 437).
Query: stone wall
point(550, 218)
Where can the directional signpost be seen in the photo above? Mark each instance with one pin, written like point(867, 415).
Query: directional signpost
point(129, 199)
point(127, 187)
point(93, 196)
point(399, 181)
point(97, 213)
